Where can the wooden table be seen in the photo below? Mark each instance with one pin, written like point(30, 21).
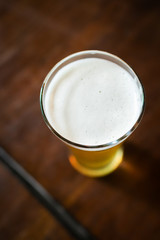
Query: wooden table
point(34, 35)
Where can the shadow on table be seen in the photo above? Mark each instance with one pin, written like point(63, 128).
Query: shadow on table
point(138, 175)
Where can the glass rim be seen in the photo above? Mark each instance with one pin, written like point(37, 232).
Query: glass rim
point(79, 145)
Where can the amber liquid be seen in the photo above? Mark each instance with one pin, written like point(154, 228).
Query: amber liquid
point(96, 163)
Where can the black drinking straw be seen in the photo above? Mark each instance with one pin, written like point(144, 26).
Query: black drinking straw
point(54, 207)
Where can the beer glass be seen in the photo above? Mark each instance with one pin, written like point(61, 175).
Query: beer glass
point(101, 159)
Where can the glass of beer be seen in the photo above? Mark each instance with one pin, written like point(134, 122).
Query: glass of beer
point(92, 101)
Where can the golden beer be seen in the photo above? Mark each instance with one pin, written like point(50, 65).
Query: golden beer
point(96, 163)
point(92, 101)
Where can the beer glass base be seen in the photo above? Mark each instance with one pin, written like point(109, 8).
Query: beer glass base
point(98, 172)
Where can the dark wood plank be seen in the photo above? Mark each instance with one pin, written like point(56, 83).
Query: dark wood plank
point(34, 35)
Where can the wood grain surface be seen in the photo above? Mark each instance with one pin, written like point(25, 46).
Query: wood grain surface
point(34, 35)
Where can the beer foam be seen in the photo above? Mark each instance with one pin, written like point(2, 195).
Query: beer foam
point(92, 101)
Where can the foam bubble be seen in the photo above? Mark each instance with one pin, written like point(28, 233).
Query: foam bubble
point(92, 101)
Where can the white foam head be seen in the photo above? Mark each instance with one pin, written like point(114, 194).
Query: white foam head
point(93, 101)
